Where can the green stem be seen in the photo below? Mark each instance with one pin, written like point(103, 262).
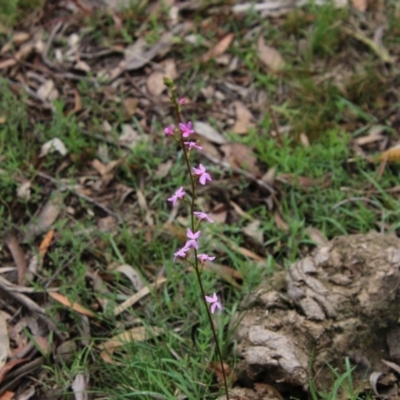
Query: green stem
point(196, 261)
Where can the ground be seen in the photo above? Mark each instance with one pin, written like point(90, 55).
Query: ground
point(296, 108)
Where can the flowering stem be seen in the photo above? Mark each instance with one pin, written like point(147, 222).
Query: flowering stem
point(196, 261)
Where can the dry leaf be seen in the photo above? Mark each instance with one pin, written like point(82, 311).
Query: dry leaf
point(243, 118)
point(395, 367)
point(53, 145)
point(45, 89)
point(238, 155)
point(269, 55)
point(136, 334)
point(132, 275)
point(170, 68)
point(46, 217)
point(8, 63)
point(303, 181)
point(46, 242)
point(82, 66)
point(24, 190)
point(26, 394)
point(267, 391)
point(99, 166)
point(10, 365)
point(210, 149)
point(130, 106)
point(269, 176)
point(280, 223)
point(143, 205)
point(254, 231)
point(219, 217)
point(360, 5)
point(219, 48)
point(208, 132)
point(20, 37)
point(304, 140)
point(80, 387)
point(17, 39)
point(163, 169)
point(215, 367)
point(155, 83)
point(139, 54)
point(43, 343)
point(8, 396)
point(138, 296)
point(316, 236)
point(107, 224)
point(18, 257)
point(106, 357)
point(226, 273)
point(272, 8)
point(391, 155)
point(129, 136)
point(74, 306)
point(4, 341)
point(248, 253)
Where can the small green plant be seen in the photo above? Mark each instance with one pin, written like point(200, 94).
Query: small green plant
point(189, 251)
point(343, 386)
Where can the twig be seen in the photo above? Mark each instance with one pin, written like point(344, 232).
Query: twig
point(138, 296)
point(355, 199)
point(71, 189)
point(46, 104)
point(274, 122)
point(15, 375)
point(7, 287)
point(47, 46)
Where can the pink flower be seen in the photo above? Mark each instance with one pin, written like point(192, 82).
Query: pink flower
point(205, 257)
point(201, 215)
point(186, 129)
point(202, 173)
point(179, 194)
point(193, 145)
point(182, 101)
point(181, 253)
point(169, 130)
point(214, 303)
point(192, 242)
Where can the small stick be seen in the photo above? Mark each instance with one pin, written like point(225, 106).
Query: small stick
point(274, 121)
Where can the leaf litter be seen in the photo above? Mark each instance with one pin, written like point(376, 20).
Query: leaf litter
point(50, 62)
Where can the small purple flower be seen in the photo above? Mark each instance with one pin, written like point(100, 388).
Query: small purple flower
point(182, 101)
point(214, 303)
point(192, 242)
point(181, 253)
point(201, 215)
point(179, 194)
point(169, 130)
point(186, 129)
point(202, 173)
point(193, 145)
point(205, 257)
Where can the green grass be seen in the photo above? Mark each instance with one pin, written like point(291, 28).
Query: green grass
point(343, 387)
point(176, 362)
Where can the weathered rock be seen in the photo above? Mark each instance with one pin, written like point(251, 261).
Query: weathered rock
point(343, 301)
